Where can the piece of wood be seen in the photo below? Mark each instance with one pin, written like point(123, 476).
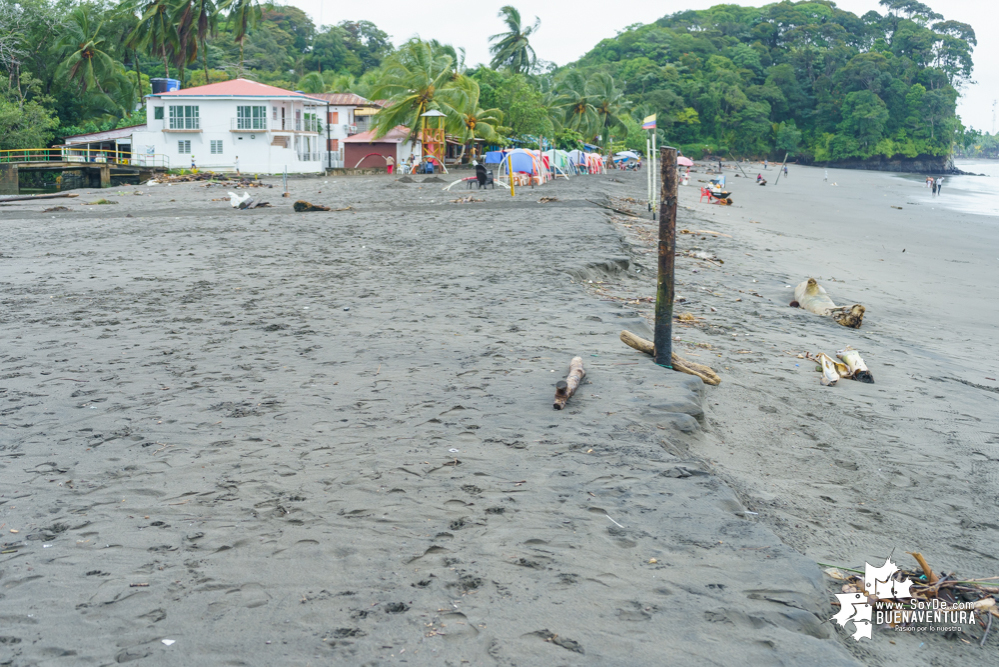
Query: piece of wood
point(706, 373)
point(302, 206)
point(930, 577)
point(53, 195)
point(564, 389)
point(663, 337)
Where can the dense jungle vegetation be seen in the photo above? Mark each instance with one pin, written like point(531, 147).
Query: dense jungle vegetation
point(801, 77)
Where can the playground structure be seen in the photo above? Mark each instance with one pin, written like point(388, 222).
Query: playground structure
point(78, 167)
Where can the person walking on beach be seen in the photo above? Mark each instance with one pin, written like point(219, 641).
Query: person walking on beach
point(940, 184)
point(389, 163)
point(765, 163)
point(933, 185)
point(236, 163)
point(785, 171)
point(826, 176)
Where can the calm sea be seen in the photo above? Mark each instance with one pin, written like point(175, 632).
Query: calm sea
point(970, 194)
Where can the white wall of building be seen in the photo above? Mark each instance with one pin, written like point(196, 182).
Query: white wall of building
point(285, 137)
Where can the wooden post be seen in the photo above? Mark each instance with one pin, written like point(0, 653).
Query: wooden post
point(781, 169)
point(663, 338)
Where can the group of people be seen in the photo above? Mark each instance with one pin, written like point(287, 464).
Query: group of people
point(935, 184)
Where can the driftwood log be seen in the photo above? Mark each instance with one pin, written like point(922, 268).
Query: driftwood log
point(564, 389)
point(679, 363)
point(54, 195)
point(306, 207)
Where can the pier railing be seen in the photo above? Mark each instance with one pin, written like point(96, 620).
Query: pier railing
point(85, 156)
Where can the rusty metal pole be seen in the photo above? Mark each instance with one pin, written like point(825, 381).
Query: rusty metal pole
point(663, 338)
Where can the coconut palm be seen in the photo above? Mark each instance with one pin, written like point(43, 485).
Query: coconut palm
point(578, 111)
point(86, 62)
point(200, 18)
point(243, 15)
point(416, 80)
point(610, 104)
point(475, 122)
point(512, 49)
point(156, 32)
point(312, 83)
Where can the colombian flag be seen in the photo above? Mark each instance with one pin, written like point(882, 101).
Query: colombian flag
point(649, 123)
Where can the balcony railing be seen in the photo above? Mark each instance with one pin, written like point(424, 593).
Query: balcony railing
point(307, 125)
point(309, 157)
point(248, 124)
point(85, 155)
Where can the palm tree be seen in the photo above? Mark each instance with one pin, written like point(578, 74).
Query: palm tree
point(87, 63)
point(156, 32)
point(202, 18)
point(610, 104)
point(512, 48)
point(474, 121)
point(416, 80)
point(243, 14)
point(578, 111)
point(312, 83)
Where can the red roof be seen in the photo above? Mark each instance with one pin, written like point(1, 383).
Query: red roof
point(344, 99)
point(396, 135)
point(236, 88)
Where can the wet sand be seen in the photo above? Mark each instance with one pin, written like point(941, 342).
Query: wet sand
point(328, 437)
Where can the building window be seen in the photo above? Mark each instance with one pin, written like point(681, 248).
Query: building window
point(184, 118)
point(251, 118)
point(216, 147)
point(157, 113)
point(274, 109)
point(184, 146)
point(334, 117)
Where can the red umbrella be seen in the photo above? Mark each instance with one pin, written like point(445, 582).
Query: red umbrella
point(684, 161)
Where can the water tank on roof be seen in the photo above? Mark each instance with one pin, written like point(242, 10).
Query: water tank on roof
point(164, 85)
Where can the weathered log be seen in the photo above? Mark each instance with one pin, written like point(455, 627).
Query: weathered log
point(304, 207)
point(813, 297)
point(706, 373)
point(564, 389)
point(53, 195)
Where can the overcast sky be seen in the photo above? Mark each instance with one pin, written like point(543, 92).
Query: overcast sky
point(570, 28)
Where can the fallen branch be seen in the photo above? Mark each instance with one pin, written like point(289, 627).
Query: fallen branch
point(564, 389)
point(54, 195)
point(302, 206)
point(704, 231)
point(679, 363)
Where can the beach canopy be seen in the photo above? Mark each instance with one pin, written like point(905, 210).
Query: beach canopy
point(559, 159)
point(578, 157)
point(624, 155)
point(684, 161)
point(525, 161)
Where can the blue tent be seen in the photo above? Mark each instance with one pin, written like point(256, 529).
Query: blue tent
point(522, 161)
point(494, 157)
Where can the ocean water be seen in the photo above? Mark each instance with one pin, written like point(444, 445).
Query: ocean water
point(969, 194)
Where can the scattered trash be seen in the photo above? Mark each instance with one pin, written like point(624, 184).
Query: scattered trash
point(54, 209)
point(564, 389)
point(302, 206)
point(454, 451)
point(706, 256)
point(898, 207)
point(704, 231)
point(812, 297)
point(169, 642)
point(830, 375)
point(466, 200)
point(548, 200)
point(238, 201)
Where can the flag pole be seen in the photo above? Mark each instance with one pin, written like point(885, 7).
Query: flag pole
point(648, 170)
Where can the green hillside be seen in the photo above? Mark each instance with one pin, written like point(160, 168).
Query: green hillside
point(804, 77)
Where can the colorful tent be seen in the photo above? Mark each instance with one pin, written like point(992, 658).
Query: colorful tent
point(523, 161)
point(559, 162)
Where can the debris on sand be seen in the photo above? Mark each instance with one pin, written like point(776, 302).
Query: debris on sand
point(99, 202)
point(246, 202)
point(466, 200)
point(54, 209)
point(855, 363)
point(703, 232)
point(921, 589)
point(564, 389)
point(706, 256)
point(706, 373)
point(852, 366)
point(547, 200)
point(813, 297)
point(302, 206)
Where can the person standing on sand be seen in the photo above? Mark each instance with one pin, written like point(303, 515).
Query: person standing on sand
point(236, 164)
point(940, 185)
point(389, 163)
point(785, 171)
point(933, 185)
point(826, 176)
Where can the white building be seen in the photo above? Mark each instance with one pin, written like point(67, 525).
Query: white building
point(268, 129)
point(347, 114)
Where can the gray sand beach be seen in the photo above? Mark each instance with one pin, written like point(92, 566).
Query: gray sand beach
point(275, 438)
